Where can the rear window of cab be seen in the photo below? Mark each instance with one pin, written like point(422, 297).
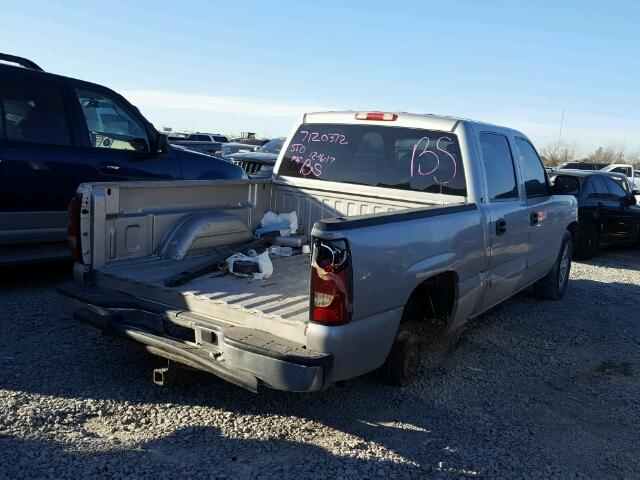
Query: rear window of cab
point(378, 156)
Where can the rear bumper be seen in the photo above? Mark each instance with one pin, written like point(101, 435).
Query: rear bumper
point(246, 357)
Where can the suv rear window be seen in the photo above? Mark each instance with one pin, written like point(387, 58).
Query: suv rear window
point(390, 157)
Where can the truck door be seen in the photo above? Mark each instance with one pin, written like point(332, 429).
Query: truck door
point(508, 220)
point(41, 160)
point(546, 227)
point(117, 141)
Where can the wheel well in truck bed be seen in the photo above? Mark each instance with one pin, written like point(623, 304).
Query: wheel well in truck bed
point(432, 302)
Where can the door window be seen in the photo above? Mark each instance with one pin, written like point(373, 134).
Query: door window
point(498, 166)
point(109, 124)
point(33, 111)
point(535, 178)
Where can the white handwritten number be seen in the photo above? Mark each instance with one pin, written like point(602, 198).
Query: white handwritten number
point(309, 137)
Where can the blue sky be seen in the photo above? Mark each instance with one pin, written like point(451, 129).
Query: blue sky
point(230, 66)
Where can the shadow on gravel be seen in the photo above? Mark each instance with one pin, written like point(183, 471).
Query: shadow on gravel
point(35, 275)
point(190, 452)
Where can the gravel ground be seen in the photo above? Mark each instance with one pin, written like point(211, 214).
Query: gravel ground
point(531, 389)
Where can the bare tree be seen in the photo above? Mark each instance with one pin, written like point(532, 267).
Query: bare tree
point(553, 154)
point(609, 154)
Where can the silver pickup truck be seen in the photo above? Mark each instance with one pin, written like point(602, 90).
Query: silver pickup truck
point(410, 219)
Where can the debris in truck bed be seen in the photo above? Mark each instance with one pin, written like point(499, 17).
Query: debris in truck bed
point(262, 261)
point(285, 223)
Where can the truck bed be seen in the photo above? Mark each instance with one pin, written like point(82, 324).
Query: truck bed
point(281, 301)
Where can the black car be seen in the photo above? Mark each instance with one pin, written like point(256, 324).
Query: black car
point(607, 210)
point(259, 164)
point(57, 132)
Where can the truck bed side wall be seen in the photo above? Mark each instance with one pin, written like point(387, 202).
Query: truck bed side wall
point(130, 220)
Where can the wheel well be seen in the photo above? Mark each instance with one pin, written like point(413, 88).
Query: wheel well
point(432, 301)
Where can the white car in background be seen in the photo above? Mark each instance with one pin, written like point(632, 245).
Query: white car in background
point(633, 175)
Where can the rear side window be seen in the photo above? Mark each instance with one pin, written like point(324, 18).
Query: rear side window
point(33, 111)
point(498, 165)
point(595, 187)
point(535, 178)
point(616, 190)
point(389, 157)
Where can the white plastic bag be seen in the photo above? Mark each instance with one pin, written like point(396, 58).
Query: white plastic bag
point(292, 218)
point(271, 218)
point(263, 261)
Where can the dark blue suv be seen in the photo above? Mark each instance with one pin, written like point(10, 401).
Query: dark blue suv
point(57, 132)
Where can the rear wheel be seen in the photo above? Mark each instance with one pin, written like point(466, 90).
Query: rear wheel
point(554, 284)
point(404, 360)
point(587, 244)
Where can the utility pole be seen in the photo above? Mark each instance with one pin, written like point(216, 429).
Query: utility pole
point(561, 122)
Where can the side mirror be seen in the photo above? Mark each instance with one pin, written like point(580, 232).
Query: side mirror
point(635, 192)
point(162, 143)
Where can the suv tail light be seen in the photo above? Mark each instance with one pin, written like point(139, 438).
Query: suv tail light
point(379, 116)
point(331, 282)
point(73, 228)
point(218, 153)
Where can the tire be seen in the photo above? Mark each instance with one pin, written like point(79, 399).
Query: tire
point(554, 283)
point(587, 242)
point(404, 360)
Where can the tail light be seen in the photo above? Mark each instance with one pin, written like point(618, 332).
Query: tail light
point(73, 228)
point(331, 282)
point(379, 116)
point(218, 153)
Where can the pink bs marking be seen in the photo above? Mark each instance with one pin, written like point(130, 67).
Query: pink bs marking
point(453, 160)
point(424, 152)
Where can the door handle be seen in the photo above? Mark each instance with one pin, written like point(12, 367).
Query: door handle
point(533, 218)
point(501, 227)
point(111, 167)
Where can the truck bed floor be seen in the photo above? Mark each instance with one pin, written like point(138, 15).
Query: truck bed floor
point(284, 296)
